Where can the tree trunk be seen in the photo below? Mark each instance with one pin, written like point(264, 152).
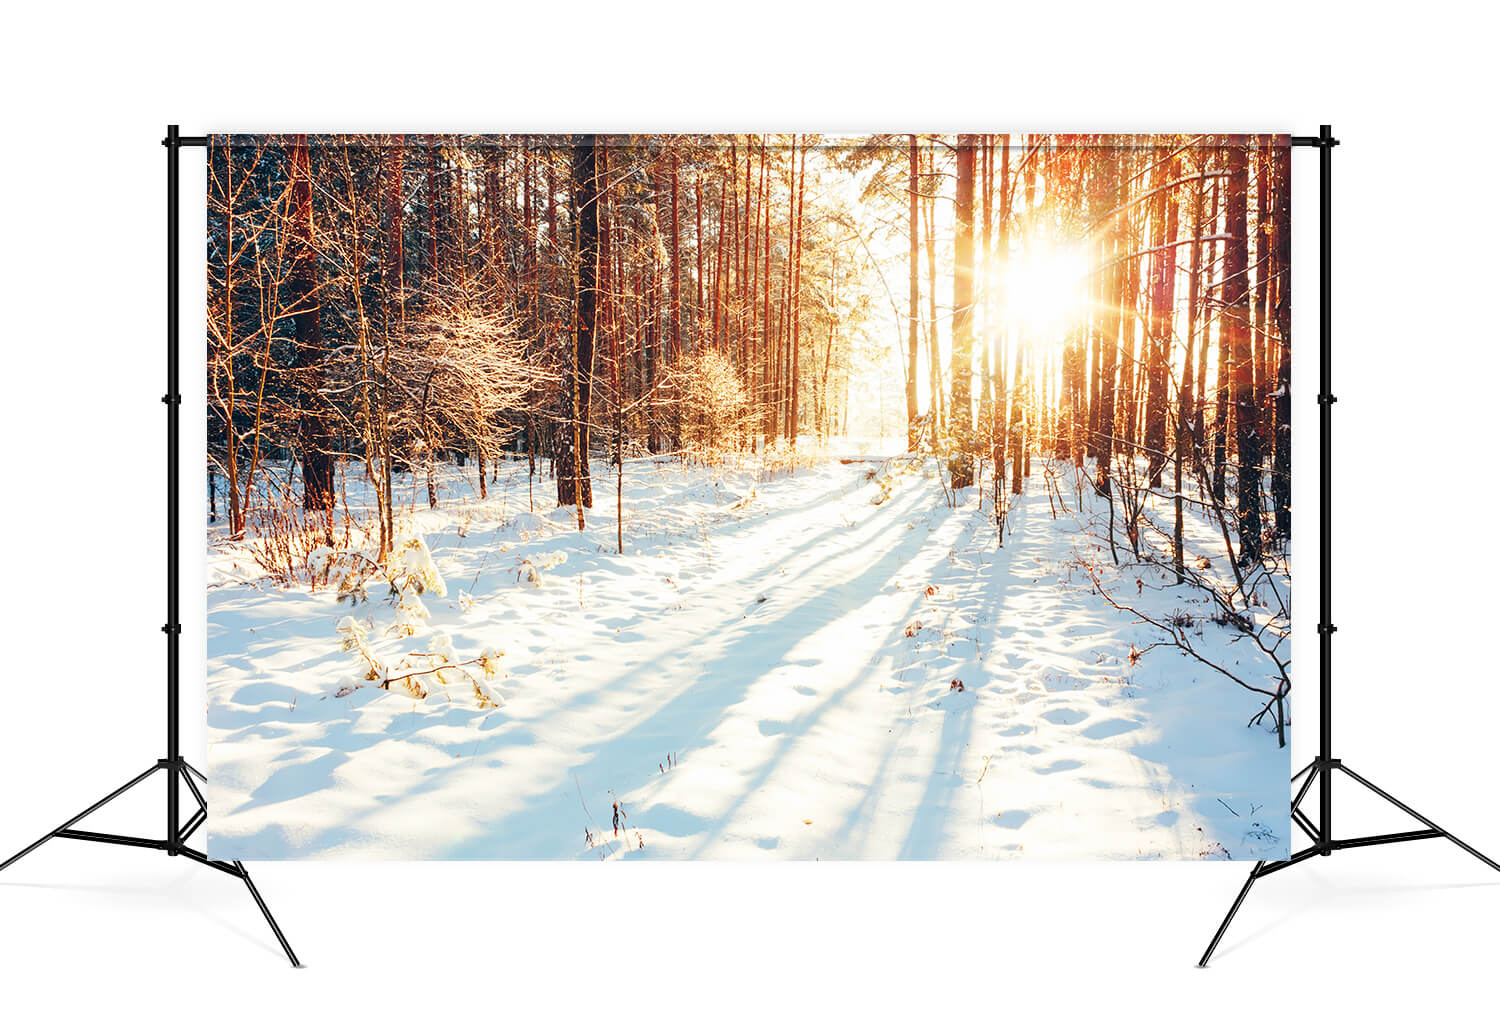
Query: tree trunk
point(316, 431)
point(1281, 460)
point(1017, 445)
point(1127, 419)
point(1159, 332)
point(962, 366)
point(765, 318)
point(1002, 386)
point(793, 422)
point(914, 300)
point(231, 433)
point(395, 327)
point(752, 255)
point(1221, 381)
point(719, 292)
point(1115, 248)
point(675, 309)
point(1185, 446)
point(432, 208)
point(745, 298)
point(1260, 332)
point(934, 355)
point(821, 410)
point(573, 484)
point(1236, 319)
point(983, 286)
point(698, 217)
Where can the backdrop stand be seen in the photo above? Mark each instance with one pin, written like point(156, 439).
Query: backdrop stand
point(177, 769)
point(1326, 765)
point(1321, 770)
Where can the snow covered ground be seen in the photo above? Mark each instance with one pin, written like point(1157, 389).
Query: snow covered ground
point(771, 670)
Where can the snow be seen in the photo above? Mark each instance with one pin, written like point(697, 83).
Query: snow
point(768, 671)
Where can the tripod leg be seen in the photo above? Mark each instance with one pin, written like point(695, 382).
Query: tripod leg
point(1234, 909)
point(1426, 821)
point(83, 814)
point(255, 893)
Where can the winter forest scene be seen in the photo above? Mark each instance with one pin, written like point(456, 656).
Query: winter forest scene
point(788, 496)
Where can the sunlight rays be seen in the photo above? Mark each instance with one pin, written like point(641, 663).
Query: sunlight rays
point(1047, 291)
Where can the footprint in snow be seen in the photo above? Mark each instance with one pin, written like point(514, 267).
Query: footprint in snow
point(1065, 765)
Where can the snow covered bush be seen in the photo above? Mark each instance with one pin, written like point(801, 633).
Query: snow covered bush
point(355, 636)
point(709, 402)
point(412, 573)
point(411, 566)
point(411, 613)
point(353, 632)
point(778, 458)
point(291, 545)
point(532, 567)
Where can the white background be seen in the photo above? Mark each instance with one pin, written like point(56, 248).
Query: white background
point(1365, 933)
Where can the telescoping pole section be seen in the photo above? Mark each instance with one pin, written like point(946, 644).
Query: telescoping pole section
point(1326, 627)
point(173, 400)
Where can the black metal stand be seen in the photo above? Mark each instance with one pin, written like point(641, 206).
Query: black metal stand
point(177, 769)
point(1322, 769)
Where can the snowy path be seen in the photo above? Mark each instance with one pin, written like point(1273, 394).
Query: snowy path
point(765, 648)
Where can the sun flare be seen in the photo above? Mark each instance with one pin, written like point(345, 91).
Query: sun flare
point(1047, 290)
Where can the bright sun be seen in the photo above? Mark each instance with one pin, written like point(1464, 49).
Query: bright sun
point(1048, 290)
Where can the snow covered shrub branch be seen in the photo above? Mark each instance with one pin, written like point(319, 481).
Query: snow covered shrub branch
point(409, 671)
point(1176, 630)
point(411, 573)
point(1249, 599)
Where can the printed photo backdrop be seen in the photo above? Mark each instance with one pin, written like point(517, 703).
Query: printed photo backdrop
point(748, 496)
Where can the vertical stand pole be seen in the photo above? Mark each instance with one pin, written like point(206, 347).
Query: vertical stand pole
point(1326, 629)
point(173, 400)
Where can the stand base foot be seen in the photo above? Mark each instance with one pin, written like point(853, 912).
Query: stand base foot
point(173, 845)
point(1323, 846)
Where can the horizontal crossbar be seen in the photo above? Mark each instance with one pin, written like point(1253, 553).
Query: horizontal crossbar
point(200, 141)
point(218, 865)
point(1271, 867)
point(1389, 837)
point(110, 837)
